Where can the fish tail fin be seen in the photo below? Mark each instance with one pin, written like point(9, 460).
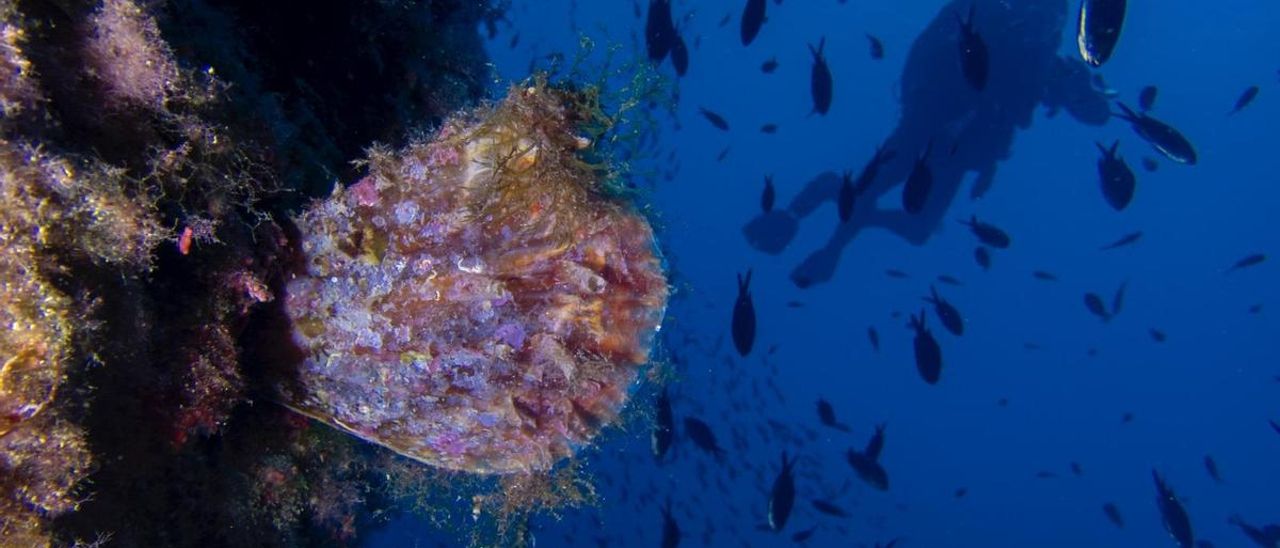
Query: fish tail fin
point(817, 52)
point(1127, 114)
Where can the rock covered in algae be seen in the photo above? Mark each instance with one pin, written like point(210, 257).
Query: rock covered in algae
point(478, 302)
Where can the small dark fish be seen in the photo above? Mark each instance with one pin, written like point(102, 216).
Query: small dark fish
point(919, 182)
point(665, 428)
point(659, 30)
point(829, 509)
point(670, 529)
point(724, 153)
point(961, 492)
point(769, 128)
point(1046, 276)
point(725, 20)
point(767, 196)
point(877, 47)
point(769, 66)
point(974, 59)
point(895, 273)
point(983, 257)
point(1245, 99)
point(515, 41)
point(744, 317)
point(1211, 467)
point(795, 304)
point(801, 536)
point(874, 337)
point(715, 119)
point(827, 414)
point(949, 280)
point(679, 56)
point(1173, 514)
point(1127, 239)
point(1099, 29)
point(1150, 164)
point(1275, 426)
point(783, 496)
point(1113, 514)
point(1246, 262)
point(947, 313)
point(1126, 418)
point(1117, 300)
point(928, 353)
point(1157, 335)
point(820, 83)
point(1147, 98)
point(752, 20)
point(848, 195)
point(1266, 537)
point(866, 463)
point(1115, 177)
point(1077, 469)
point(1255, 308)
point(1003, 402)
point(1094, 303)
point(987, 233)
point(1163, 137)
point(702, 436)
point(1046, 474)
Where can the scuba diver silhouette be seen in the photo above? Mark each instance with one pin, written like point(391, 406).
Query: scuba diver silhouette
point(967, 130)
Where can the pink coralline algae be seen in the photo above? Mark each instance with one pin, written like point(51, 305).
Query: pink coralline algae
point(478, 302)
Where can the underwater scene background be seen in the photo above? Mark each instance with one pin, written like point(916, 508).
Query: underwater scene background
point(1045, 412)
point(638, 273)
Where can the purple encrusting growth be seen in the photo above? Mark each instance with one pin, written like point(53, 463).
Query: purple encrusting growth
point(475, 302)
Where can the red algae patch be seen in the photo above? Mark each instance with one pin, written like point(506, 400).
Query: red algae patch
point(477, 302)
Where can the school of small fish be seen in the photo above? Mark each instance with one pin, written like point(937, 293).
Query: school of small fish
point(791, 489)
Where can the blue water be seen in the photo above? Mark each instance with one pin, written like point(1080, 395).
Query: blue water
point(1210, 389)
